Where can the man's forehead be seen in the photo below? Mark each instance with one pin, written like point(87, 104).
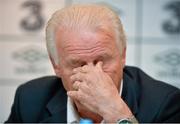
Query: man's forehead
point(84, 38)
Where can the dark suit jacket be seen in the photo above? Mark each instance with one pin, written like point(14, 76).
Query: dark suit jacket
point(45, 99)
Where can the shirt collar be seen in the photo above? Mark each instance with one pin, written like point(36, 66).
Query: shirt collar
point(72, 114)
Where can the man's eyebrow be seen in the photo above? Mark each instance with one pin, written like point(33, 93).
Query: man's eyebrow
point(73, 61)
point(104, 55)
point(76, 60)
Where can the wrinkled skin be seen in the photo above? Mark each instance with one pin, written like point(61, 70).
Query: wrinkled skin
point(91, 69)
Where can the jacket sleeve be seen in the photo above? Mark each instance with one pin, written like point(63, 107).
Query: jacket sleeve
point(15, 110)
point(170, 108)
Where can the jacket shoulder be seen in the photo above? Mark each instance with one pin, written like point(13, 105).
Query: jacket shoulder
point(32, 97)
point(158, 101)
point(146, 81)
point(43, 84)
point(40, 90)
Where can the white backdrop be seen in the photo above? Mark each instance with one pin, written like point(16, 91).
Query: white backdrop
point(152, 28)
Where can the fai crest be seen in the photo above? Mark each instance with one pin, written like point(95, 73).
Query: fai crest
point(30, 60)
point(169, 61)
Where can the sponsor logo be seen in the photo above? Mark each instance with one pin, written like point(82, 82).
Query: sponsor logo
point(169, 61)
point(30, 60)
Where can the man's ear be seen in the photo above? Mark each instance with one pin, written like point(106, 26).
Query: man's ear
point(123, 59)
point(57, 68)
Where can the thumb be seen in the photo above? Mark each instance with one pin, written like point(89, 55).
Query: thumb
point(73, 94)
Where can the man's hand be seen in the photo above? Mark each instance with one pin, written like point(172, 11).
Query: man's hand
point(96, 90)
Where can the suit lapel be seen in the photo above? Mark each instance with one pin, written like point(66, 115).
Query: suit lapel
point(57, 107)
point(130, 93)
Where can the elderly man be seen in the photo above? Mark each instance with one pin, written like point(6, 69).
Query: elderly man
point(87, 48)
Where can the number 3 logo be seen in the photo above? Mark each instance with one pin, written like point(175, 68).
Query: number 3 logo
point(172, 26)
point(34, 20)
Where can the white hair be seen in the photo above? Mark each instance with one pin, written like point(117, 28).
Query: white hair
point(77, 17)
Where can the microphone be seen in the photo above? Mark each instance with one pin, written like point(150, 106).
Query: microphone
point(85, 121)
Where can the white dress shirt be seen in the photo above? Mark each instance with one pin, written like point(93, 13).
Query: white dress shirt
point(72, 114)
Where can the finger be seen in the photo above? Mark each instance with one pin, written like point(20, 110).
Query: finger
point(76, 95)
point(91, 64)
point(73, 94)
point(76, 85)
point(78, 77)
point(85, 69)
point(99, 64)
point(76, 70)
point(84, 87)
